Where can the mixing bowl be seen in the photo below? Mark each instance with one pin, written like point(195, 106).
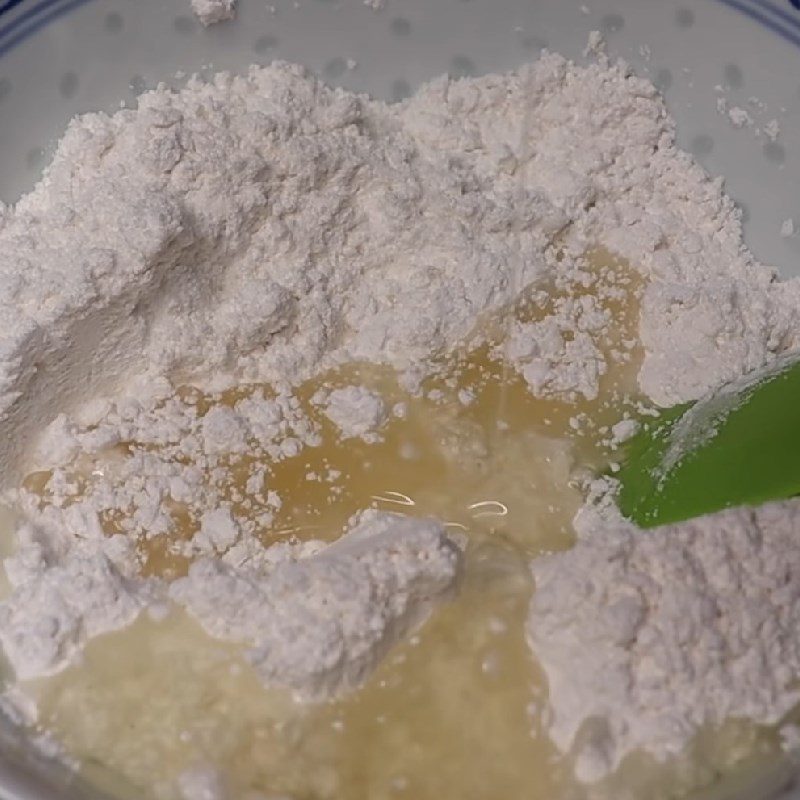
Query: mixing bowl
point(710, 58)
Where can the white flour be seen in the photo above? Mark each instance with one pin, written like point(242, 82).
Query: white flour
point(561, 355)
point(188, 446)
point(264, 228)
point(210, 12)
point(319, 625)
point(211, 260)
point(652, 634)
point(355, 411)
point(58, 603)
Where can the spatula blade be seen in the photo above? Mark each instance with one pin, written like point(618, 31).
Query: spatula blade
point(738, 446)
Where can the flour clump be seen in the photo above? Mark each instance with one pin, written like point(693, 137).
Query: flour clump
point(653, 634)
point(355, 410)
point(209, 12)
point(319, 625)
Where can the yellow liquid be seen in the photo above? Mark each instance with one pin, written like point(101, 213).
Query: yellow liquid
point(445, 716)
point(454, 713)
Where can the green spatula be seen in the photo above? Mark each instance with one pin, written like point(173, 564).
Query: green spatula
point(737, 446)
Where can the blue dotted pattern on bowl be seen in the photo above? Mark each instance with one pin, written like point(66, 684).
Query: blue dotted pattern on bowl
point(397, 47)
point(34, 17)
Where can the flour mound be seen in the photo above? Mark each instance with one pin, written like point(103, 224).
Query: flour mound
point(267, 226)
point(645, 636)
point(260, 229)
point(320, 625)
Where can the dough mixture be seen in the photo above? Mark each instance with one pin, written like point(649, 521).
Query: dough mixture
point(305, 396)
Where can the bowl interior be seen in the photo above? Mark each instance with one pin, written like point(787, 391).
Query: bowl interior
point(62, 57)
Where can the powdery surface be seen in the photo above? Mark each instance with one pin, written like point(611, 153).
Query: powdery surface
point(270, 225)
point(555, 364)
point(563, 354)
point(644, 636)
point(317, 618)
point(355, 411)
point(59, 601)
point(153, 454)
point(320, 625)
point(210, 12)
point(266, 227)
